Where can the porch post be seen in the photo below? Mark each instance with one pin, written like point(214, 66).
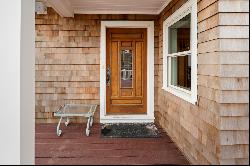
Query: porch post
point(17, 82)
point(27, 82)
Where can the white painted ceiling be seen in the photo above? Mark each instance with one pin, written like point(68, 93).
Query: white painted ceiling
point(120, 6)
point(108, 6)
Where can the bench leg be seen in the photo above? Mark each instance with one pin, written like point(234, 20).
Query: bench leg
point(67, 121)
point(58, 131)
point(91, 121)
point(87, 128)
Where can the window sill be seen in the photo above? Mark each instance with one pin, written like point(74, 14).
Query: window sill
point(183, 94)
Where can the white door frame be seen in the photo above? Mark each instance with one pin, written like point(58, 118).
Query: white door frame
point(149, 117)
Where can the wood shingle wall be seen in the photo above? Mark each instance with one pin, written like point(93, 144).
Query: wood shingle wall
point(194, 128)
point(233, 56)
point(215, 131)
point(68, 58)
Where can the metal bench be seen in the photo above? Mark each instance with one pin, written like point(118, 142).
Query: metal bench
point(75, 110)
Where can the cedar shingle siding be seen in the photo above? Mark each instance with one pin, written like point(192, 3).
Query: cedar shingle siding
point(215, 131)
point(68, 60)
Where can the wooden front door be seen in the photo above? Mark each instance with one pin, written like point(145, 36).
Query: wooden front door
point(126, 64)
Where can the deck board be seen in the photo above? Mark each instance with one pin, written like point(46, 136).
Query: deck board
point(73, 147)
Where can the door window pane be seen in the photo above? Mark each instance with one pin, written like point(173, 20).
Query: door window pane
point(126, 69)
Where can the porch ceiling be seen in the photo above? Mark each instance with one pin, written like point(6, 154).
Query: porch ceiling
point(67, 8)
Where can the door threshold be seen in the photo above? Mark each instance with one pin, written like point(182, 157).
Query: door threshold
point(127, 119)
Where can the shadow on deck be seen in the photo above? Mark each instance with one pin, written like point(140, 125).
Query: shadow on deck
point(74, 147)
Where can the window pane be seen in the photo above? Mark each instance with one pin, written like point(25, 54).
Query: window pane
point(179, 35)
point(126, 69)
point(180, 71)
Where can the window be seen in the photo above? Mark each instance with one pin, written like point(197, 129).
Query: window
point(126, 69)
point(180, 52)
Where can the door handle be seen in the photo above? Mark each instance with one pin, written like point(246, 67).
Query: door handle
point(108, 78)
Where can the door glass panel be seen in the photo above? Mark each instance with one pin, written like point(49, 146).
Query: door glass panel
point(126, 69)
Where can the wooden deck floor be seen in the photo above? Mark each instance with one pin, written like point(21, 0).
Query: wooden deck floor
point(75, 148)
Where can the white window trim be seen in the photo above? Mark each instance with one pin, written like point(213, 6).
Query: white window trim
point(187, 8)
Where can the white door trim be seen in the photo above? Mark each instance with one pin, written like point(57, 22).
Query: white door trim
point(149, 117)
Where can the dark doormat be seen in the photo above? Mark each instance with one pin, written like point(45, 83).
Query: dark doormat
point(130, 130)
